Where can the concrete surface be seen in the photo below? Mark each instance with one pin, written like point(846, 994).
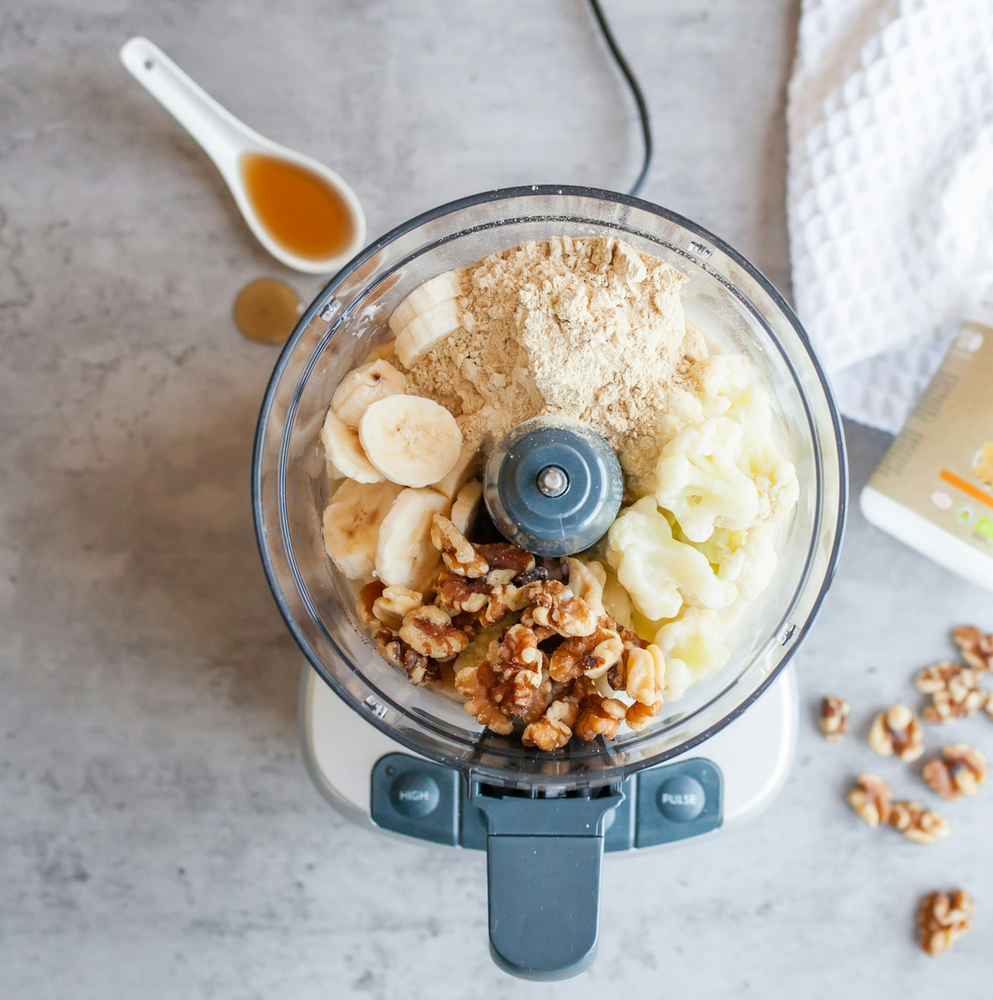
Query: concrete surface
point(159, 836)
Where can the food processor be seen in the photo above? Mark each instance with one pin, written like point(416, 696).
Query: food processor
point(410, 761)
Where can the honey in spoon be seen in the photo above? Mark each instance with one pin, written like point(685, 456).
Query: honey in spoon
point(299, 210)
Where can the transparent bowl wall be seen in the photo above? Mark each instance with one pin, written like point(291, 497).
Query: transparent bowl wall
point(725, 297)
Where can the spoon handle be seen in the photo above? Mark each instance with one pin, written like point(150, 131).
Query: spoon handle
point(222, 136)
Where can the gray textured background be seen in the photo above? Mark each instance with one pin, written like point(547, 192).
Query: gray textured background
point(159, 836)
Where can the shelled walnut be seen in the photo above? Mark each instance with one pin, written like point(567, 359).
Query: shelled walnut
point(586, 655)
point(598, 716)
point(834, 717)
point(555, 605)
point(477, 684)
point(954, 690)
point(418, 667)
point(959, 771)
point(976, 647)
point(897, 730)
point(554, 729)
point(871, 800)
point(429, 630)
point(943, 918)
point(922, 826)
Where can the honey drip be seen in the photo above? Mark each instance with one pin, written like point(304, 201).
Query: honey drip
point(266, 310)
point(298, 209)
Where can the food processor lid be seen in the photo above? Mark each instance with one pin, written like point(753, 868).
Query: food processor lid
point(553, 486)
point(355, 303)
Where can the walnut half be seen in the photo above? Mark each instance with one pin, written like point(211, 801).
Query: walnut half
point(871, 800)
point(959, 771)
point(954, 690)
point(975, 647)
point(897, 730)
point(834, 717)
point(922, 826)
point(429, 630)
point(943, 918)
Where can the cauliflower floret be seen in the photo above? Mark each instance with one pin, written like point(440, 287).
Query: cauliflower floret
point(745, 560)
point(692, 648)
point(774, 478)
point(700, 482)
point(658, 572)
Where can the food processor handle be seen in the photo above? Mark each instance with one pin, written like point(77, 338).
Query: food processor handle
point(543, 858)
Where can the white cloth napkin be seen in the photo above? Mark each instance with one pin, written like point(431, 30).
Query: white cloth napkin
point(890, 190)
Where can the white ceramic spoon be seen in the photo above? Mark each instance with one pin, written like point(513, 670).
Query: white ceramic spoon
point(225, 139)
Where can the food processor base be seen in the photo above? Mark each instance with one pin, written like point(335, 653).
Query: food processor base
point(376, 782)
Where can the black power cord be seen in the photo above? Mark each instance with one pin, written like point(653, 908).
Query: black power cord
point(632, 81)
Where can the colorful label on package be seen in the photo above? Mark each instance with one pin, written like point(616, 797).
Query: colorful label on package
point(941, 464)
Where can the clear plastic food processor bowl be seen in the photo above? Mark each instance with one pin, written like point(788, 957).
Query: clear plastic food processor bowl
point(725, 297)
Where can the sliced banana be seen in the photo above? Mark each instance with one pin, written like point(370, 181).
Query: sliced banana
point(344, 451)
point(426, 330)
point(411, 440)
point(466, 506)
point(469, 463)
point(440, 289)
point(351, 525)
point(363, 386)
point(404, 553)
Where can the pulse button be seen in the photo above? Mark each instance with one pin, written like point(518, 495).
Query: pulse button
point(414, 794)
point(681, 799)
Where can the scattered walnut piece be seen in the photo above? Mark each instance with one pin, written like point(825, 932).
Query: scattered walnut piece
point(418, 667)
point(645, 675)
point(556, 606)
point(476, 684)
point(922, 826)
point(503, 600)
point(954, 691)
point(505, 557)
point(897, 730)
point(457, 552)
point(393, 603)
point(638, 715)
point(586, 581)
point(586, 655)
point(975, 647)
point(458, 595)
point(834, 717)
point(871, 800)
point(958, 772)
point(554, 729)
point(429, 630)
point(943, 918)
point(617, 675)
point(989, 706)
point(598, 716)
point(516, 662)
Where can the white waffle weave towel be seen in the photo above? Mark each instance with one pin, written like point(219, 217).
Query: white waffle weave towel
point(890, 190)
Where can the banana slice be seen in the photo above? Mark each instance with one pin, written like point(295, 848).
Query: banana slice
point(351, 525)
point(466, 506)
point(440, 289)
point(364, 385)
point(343, 450)
point(411, 440)
point(426, 330)
point(404, 553)
point(469, 464)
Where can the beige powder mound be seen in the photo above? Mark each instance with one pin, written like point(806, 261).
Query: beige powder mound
point(586, 328)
